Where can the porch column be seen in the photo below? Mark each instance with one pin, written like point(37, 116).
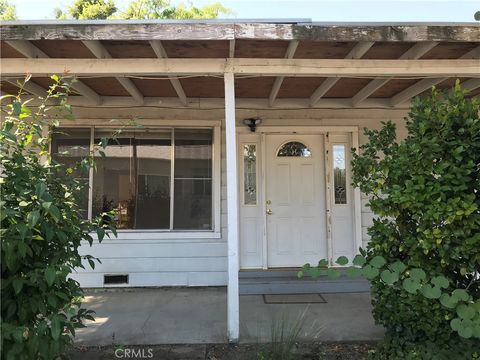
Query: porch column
point(233, 307)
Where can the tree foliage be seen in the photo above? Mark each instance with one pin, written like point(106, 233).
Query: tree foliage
point(7, 11)
point(41, 231)
point(423, 259)
point(88, 9)
point(140, 9)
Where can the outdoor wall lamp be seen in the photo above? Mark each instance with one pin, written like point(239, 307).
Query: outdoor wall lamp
point(252, 123)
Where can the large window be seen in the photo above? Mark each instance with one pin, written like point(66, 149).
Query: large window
point(153, 179)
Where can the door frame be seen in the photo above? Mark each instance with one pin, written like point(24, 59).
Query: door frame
point(259, 137)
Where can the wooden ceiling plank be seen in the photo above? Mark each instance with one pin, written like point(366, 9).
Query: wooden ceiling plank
point(101, 52)
point(29, 86)
point(426, 84)
point(415, 52)
point(292, 47)
point(356, 53)
point(162, 54)
point(31, 51)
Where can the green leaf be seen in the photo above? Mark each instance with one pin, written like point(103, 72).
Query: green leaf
point(465, 331)
point(466, 312)
point(460, 294)
point(32, 218)
point(17, 285)
point(448, 301)
point(17, 107)
point(300, 274)
point(100, 233)
point(378, 261)
point(342, 261)
point(55, 327)
point(455, 324)
point(417, 274)
point(50, 275)
point(323, 263)
point(389, 277)
point(23, 203)
point(353, 272)
point(370, 272)
point(477, 16)
point(54, 212)
point(411, 285)
point(359, 260)
point(431, 292)
point(333, 273)
point(40, 189)
point(92, 263)
point(440, 281)
point(398, 267)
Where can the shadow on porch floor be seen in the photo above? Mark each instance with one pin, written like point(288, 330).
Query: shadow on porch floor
point(198, 315)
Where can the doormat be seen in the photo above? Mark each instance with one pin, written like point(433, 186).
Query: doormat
point(293, 299)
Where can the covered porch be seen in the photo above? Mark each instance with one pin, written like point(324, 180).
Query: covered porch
point(277, 197)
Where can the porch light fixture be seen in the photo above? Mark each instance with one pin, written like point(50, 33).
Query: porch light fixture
point(252, 123)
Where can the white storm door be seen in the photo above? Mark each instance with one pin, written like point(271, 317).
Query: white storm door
point(295, 200)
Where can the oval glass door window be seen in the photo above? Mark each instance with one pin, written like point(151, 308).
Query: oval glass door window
point(294, 149)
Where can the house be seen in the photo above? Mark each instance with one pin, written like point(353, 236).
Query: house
point(243, 158)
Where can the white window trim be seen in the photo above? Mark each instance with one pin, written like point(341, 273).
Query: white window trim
point(163, 234)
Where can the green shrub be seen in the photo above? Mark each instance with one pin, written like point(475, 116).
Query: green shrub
point(425, 192)
point(41, 231)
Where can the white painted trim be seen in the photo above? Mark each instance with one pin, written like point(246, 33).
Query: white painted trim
point(263, 179)
point(217, 176)
point(233, 305)
point(357, 200)
point(90, 175)
point(244, 66)
point(152, 235)
point(288, 129)
point(328, 197)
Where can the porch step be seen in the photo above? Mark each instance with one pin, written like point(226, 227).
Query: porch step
point(286, 282)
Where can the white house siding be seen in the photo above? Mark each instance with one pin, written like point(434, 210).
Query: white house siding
point(202, 261)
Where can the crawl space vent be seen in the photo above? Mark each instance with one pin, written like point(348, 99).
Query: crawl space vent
point(116, 279)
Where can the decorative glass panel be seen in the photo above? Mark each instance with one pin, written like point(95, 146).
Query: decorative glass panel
point(250, 174)
point(339, 174)
point(294, 148)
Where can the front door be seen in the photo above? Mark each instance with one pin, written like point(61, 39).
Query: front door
point(295, 200)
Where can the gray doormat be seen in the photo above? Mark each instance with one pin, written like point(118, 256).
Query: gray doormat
point(293, 299)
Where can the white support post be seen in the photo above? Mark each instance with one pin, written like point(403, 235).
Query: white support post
point(233, 303)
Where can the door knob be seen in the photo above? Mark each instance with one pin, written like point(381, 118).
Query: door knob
point(269, 212)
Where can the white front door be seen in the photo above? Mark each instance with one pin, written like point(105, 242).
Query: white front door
point(295, 200)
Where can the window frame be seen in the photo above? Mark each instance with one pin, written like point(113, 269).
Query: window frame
point(154, 234)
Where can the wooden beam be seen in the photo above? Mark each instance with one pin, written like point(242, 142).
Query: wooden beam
point(356, 53)
point(426, 84)
point(218, 103)
point(292, 47)
point(31, 51)
point(144, 30)
point(162, 54)
point(415, 52)
point(101, 52)
point(240, 66)
point(233, 300)
point(231, 48)
point(29, 86)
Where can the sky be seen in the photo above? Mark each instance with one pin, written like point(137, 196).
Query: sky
point(317, 10)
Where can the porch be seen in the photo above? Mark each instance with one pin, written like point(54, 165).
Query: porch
point(199, 315)
point(314, 87)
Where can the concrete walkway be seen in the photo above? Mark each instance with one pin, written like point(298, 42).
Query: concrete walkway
point(198, 315)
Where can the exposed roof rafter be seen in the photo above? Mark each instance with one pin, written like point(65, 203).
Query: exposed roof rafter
point(292, 47)
point(415, 52)
point(29, 86)
point(231, 48)
point(100, 52)
point(426, 84)
point(31, 51)
point(162, 54)
point(356, 53)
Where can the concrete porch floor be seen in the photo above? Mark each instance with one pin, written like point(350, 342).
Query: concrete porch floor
point(198, 315)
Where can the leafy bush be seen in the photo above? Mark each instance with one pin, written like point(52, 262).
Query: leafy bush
point(41, 230)
point(423, 259)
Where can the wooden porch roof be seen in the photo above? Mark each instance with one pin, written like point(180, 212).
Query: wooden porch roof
point(139, 41)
